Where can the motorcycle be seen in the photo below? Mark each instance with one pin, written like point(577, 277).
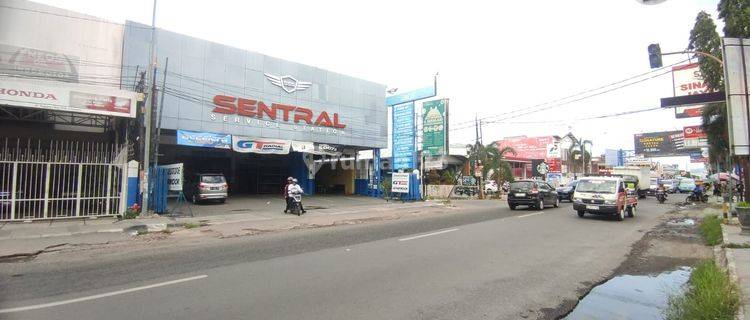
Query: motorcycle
point(297, 203)
point(697, 197)
point(661, 196)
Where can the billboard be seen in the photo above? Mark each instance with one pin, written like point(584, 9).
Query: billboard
point(695, 137)
point(403, 136)
point(688, 80)
point(539, 169)
point(527, 147)
point(411, 96)
point(699, 156)
point(736, 77)
point(434, 125)
point(660, 144)
point(73, 97)
point(400, 182)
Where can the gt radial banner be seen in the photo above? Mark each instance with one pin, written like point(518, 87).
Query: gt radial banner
point(262, 146)
point(204, 139)
point(71, 97)
point(433, 127)
point(660, 144)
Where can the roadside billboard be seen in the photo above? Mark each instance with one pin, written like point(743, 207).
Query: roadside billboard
point(174, 176)
point(434, 125)
point(695, 137)
point(527, 147)
point(403, 136)
point(400, 182)
point(539, 169)
point(700, 156)
point(660, 144)
point(688, 80)
point(736, 54)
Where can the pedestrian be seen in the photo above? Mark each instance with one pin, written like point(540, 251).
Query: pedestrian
point(287, 199)
point(740, 191)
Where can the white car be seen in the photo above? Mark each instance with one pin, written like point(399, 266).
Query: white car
point(490, 186)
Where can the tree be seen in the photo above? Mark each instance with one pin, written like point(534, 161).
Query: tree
point(704, 38)
point(574, 155)
point(492, 159)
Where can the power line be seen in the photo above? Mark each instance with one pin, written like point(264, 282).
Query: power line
point(71, 17)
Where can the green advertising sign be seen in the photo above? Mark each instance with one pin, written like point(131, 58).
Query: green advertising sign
point(434, 127)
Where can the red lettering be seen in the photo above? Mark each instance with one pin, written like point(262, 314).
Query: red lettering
point(13, 92)
point(303, 114)
point(323, 120)
point(270, 112)
point(683, 87)
point(246, 107)
point(285, 109)
point(336, 123)
point(51, 96)
point(224, 104)
point(25, 93)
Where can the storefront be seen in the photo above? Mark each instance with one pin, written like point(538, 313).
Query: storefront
point(258, 119)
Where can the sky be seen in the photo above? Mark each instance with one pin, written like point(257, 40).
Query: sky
point(492, 56)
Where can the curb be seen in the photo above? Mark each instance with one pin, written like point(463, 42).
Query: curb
point(725, 257)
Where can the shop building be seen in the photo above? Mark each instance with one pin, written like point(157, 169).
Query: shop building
point(63, 114)
point(258, 119)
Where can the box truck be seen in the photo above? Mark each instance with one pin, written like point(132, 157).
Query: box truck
point(637, 178)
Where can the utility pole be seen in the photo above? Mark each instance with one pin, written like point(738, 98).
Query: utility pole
point(147, 115)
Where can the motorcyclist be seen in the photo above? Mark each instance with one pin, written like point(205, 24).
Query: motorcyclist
point(293, 189)
point(698, 192)
point(287, 199)
point(662, 189)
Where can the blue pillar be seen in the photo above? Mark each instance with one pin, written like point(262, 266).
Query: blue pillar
point(376, 179)
point(298, 169)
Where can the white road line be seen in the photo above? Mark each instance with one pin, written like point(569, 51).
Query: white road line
point(427, 235)
point(530, 214)
point(99, 296)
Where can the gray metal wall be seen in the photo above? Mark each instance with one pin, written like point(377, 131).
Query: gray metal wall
point(199, 70)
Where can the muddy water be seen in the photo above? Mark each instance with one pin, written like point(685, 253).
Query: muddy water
point(631, 297)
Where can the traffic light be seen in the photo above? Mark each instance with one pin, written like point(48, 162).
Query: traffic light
point(654, 55)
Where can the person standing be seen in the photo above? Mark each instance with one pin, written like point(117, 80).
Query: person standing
point(740, 191)
point(287, 199)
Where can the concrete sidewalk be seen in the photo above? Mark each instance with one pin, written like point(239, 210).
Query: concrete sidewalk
point(738, 262)
point(30, 238)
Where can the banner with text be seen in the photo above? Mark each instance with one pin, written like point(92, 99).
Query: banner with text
point(434, 115)
point(174, 176)
point(688, 80)
point(204, 139)
point(403, 136)
point(400, 182)
point(660, 144)
point(263, 146)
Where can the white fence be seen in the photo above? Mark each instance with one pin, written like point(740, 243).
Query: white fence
point(60, 179)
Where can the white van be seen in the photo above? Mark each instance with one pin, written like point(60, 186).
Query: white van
point(603, 195)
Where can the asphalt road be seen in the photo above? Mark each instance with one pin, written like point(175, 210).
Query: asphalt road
point(489, 264)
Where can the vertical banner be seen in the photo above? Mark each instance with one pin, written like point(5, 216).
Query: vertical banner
point(404, 147)
point(434, 115)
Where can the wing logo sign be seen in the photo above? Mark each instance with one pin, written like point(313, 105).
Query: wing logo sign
point(288, 83)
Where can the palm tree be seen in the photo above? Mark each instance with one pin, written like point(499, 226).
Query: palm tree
point(492, 159)
point(575, 165)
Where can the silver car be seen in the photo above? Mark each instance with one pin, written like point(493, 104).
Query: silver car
point(207, 186)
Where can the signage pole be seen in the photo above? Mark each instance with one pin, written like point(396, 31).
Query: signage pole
point(158, 114)
point(147, 115)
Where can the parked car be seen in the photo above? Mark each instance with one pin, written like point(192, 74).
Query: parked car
point(566, 192)
point(605, 196)
point(532, 193)
point(490, 187)
point(207, 186)
point(686, 186)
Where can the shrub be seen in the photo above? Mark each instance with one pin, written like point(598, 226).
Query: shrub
point(710, 295)
point(711, 230)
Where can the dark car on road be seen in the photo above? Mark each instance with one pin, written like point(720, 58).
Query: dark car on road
point(532, 193)
point(566, 192)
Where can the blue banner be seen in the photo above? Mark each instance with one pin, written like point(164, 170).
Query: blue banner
point(404, 147)
point(411, 96)
point(204, 139)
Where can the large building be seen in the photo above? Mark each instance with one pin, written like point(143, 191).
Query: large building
point(68, 95)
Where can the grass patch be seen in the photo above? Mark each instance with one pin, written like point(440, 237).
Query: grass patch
point(733, 245)
point(191, 225)
point(711, 230)
point(710, 295)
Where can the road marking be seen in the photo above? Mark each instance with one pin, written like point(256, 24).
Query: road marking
point(530, 214)
point(427, 234)
point(99, 296)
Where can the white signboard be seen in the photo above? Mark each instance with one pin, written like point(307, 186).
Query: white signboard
point(263, 146)
point(688, 80)
point(400, 182)
point(72, 97)
point(433, 163)
point(174, 176)
point(553, 150)
point(736, 77)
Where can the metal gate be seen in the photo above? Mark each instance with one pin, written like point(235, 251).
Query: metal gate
point(61, 179)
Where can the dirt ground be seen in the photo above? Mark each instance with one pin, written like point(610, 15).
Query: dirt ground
point(671, 244)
